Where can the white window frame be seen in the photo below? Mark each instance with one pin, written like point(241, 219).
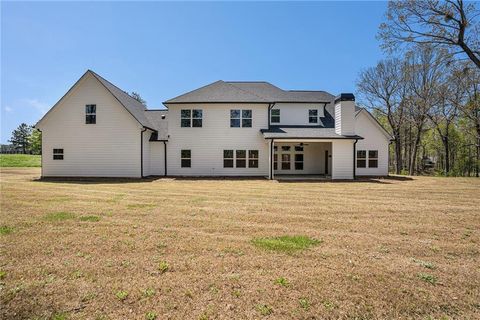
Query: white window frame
point(272, 116)
point(57, 153)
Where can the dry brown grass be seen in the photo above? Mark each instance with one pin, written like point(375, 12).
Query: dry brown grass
point(388, 249)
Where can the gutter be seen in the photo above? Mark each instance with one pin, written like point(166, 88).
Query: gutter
point(141, 151)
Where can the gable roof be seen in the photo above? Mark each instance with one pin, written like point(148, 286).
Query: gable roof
point(249, 92)
point(135, 108)
point(359, 110)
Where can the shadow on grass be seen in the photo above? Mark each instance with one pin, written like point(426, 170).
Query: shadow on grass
point(108, 180)
point(376, 180)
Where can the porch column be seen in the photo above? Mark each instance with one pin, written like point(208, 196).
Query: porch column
point(271, 174)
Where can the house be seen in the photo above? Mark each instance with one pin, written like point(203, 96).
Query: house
point(222, 129)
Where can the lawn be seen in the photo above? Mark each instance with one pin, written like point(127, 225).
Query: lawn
point(20, 160)
point(239, 249)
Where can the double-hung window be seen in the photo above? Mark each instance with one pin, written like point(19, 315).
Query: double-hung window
point(240, 118)
point(228, 158)
point(57, 154)
point(241, 158)
point(275, 116)
point(313, 116)
point(191, 118)
point(90, 114)
point(361, 158)
point(253, 158)
point(285, 161)
point(186, 158)
point(373, 158)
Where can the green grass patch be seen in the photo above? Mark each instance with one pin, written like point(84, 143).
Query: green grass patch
point(287, 244)
point(90, 218)
point(428, 278)
point(59, 216)
point(282, 282)
point(264, 309)
point(5, 230)
point(20, 160)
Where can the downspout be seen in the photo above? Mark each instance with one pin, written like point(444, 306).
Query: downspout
point(165, 156)
point(355, 159)
point(141, 151)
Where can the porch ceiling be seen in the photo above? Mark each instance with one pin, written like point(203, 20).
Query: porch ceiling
point(304, 133)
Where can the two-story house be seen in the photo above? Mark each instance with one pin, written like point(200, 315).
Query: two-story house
point(222, 129)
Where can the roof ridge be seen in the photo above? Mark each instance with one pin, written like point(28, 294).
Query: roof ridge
point(249, 92)
point(183, 94)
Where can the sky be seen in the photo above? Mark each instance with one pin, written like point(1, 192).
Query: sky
point(164, 49)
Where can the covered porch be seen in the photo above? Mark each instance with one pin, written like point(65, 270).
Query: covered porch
point(310, 154)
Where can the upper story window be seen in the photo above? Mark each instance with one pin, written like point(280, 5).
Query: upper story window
point(90, 113)
point(191, 118)
point(313, 116)
point(275, 116)
point(57, 154)
point(240, 118)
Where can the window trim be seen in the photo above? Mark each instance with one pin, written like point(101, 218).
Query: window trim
point(272, 116)
point(237, 158)
point(91, 114)
point(240, 118)
point(311, 117)
point(359, 158)
point(229, 159)
point(57, 154)
point(189, 158)
point(253, 160)
point(373, 159)
point(191, 118)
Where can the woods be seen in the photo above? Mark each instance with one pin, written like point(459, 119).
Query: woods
point(426, 91)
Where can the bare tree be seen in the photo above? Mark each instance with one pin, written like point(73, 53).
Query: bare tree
point(425, 69)
point(450, 24)
point(383, 89)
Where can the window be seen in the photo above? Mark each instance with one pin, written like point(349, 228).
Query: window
point(191, 118)
point(285, 148)
point(361, 158)
point(299, 148)
point(240, 118)
point(313, 116)
point(186, 158)
point(57, 154)
point(285, 162)
point(228, 158)
point(373, 158)
point(241, 158)
point(275, 116)
point(253, 158)
point(91, 114)
point(299, 161)
point(275, 161)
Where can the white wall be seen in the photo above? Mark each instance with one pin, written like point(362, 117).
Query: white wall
point(374, 139)
point(342, 159)
point(146, 152)
point(207, 143)
point(109, 148)
point(157, 159)
point(344, 118)
point(297, 113)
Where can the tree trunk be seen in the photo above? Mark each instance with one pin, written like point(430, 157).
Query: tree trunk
point(413, 158)
point(447, 155)
point(398, 152)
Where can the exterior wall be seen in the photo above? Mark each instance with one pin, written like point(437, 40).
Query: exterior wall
point(297, 113)
point(342, 159)
point(146, 152)
point(157, 159)
point(313, 158)
point(208, 142)
point(374, 139)
point(109, 148)
point(345, 118)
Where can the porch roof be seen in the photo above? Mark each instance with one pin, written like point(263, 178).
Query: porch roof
point(304, 133)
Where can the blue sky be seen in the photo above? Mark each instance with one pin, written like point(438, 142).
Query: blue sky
point(164, 49)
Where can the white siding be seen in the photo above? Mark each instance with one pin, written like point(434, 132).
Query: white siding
point(342, 157)
point(207, 143)
point(146, 152)
point(297, 113)
point(374, 139)
point(344, 118)
point(109, 148)
point(157, 159)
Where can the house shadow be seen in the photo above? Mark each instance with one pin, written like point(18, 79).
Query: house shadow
point(362, 179)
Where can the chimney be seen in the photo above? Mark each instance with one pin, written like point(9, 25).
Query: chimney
point(344, 114)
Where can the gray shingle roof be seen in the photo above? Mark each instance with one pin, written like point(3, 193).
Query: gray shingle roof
point(159, 124)
point(304, 133)
point(254, 92)
point(136, 109)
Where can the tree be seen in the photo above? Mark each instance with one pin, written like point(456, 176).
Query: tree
point(449, 24)
point(35, 140)
point(137, 97)
point(383, 88)
point(20, 137)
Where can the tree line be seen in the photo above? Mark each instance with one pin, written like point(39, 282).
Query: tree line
point(427, 90)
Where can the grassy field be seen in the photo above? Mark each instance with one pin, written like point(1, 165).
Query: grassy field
point(20, 160)
point(239, 249)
